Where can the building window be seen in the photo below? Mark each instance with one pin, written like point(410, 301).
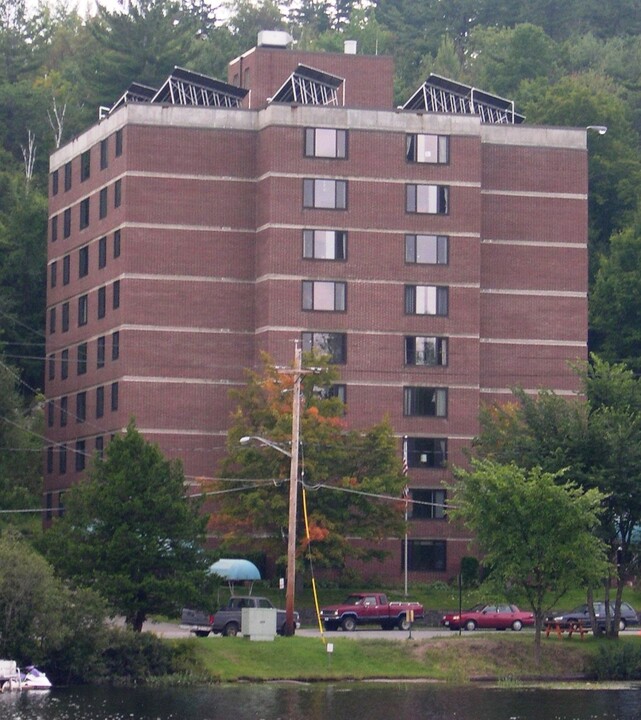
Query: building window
point(424, 402)
point(320, 193)
point(67, 176)
point(426, 249)
point(64, 410)
point(425, 350)
point(104, 153)
point(100, 446)
point(426, 452)
point(100, 352)
point(325, 244)
point(324, 295)
point(427, 504)
point(426, 555)
point(52, 320)
point(80, 455)
point(54, 182)
point(338, 390)
point(50, 459)
point(102, 252)
point(102, 210)
point(426, 300)
point(430, 199)
point(53, 274)
point(83, 261)
point(65, 317)
point(66, 269)
point(51, 364)
point(118, 143)
point(117, 193)
point(64, 364)
point(326, 343)
point(421, 148)
point(117, 244)
point(83, 310)
point(325, 142)
point(50, 411)
point(84, 213)
point(81, 407)
point(54, 228)
point(82, 359)
point(66, 223)
point(114, 396)
point(85, 165)
point(102, 301)
point(62, 459)
point(115, 345)
point(116, 294)
point(61, 503)
point(100, 401)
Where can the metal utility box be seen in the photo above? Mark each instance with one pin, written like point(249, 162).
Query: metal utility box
point(258, 623)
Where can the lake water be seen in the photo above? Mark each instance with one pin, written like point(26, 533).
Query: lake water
point(340, 701)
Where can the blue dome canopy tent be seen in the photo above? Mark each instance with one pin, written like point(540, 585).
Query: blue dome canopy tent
point(236, 570)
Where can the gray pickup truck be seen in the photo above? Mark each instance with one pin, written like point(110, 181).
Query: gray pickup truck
point(227, 620)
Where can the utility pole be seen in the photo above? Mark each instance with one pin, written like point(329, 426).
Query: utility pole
point(293, 495)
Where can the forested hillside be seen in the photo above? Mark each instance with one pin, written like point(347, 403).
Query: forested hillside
point(564, 62)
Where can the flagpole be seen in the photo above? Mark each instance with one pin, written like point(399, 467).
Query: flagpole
point(406, 495)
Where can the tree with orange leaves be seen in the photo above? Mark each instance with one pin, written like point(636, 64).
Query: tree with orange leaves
point(352, 478)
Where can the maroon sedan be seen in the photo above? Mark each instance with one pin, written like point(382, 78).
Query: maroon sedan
point(496, 617)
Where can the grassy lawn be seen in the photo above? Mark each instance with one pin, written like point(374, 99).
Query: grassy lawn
point(452, 659)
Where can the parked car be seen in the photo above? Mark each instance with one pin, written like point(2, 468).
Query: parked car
point(497, 617)
point(228, 620)
point(368, 608)
point(580, 614)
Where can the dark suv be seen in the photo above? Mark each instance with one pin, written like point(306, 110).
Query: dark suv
point(581, 614)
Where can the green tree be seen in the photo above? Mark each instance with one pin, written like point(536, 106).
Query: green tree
point(505, 57)
point(345, 472)
point(130, 533)
point(23, 224)
point(596, 441)
point(41, 620)
point(537, 531)
point(615, 302)
point(142, 45)
point(614, 398)
point(614, 162)
point(362, 26)
point(20, 451)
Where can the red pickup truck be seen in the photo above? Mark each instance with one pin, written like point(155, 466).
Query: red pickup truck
point(371, 609)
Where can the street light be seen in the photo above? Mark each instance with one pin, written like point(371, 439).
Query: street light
point(601, 129)
point(247, 439)
point(293, 491)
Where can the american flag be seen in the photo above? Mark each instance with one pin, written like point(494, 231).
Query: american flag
point(406, 489)
point(405, 466)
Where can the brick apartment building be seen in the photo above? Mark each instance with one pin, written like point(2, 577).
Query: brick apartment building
point(437, 250)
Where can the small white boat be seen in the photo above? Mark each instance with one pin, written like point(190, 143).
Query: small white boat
point(11, 678)
point(34, 679)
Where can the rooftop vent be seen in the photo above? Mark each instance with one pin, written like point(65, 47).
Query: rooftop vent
point(349, 47)
point(274, 39)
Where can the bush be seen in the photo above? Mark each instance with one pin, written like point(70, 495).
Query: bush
point(616, 660)
point(135, 658)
